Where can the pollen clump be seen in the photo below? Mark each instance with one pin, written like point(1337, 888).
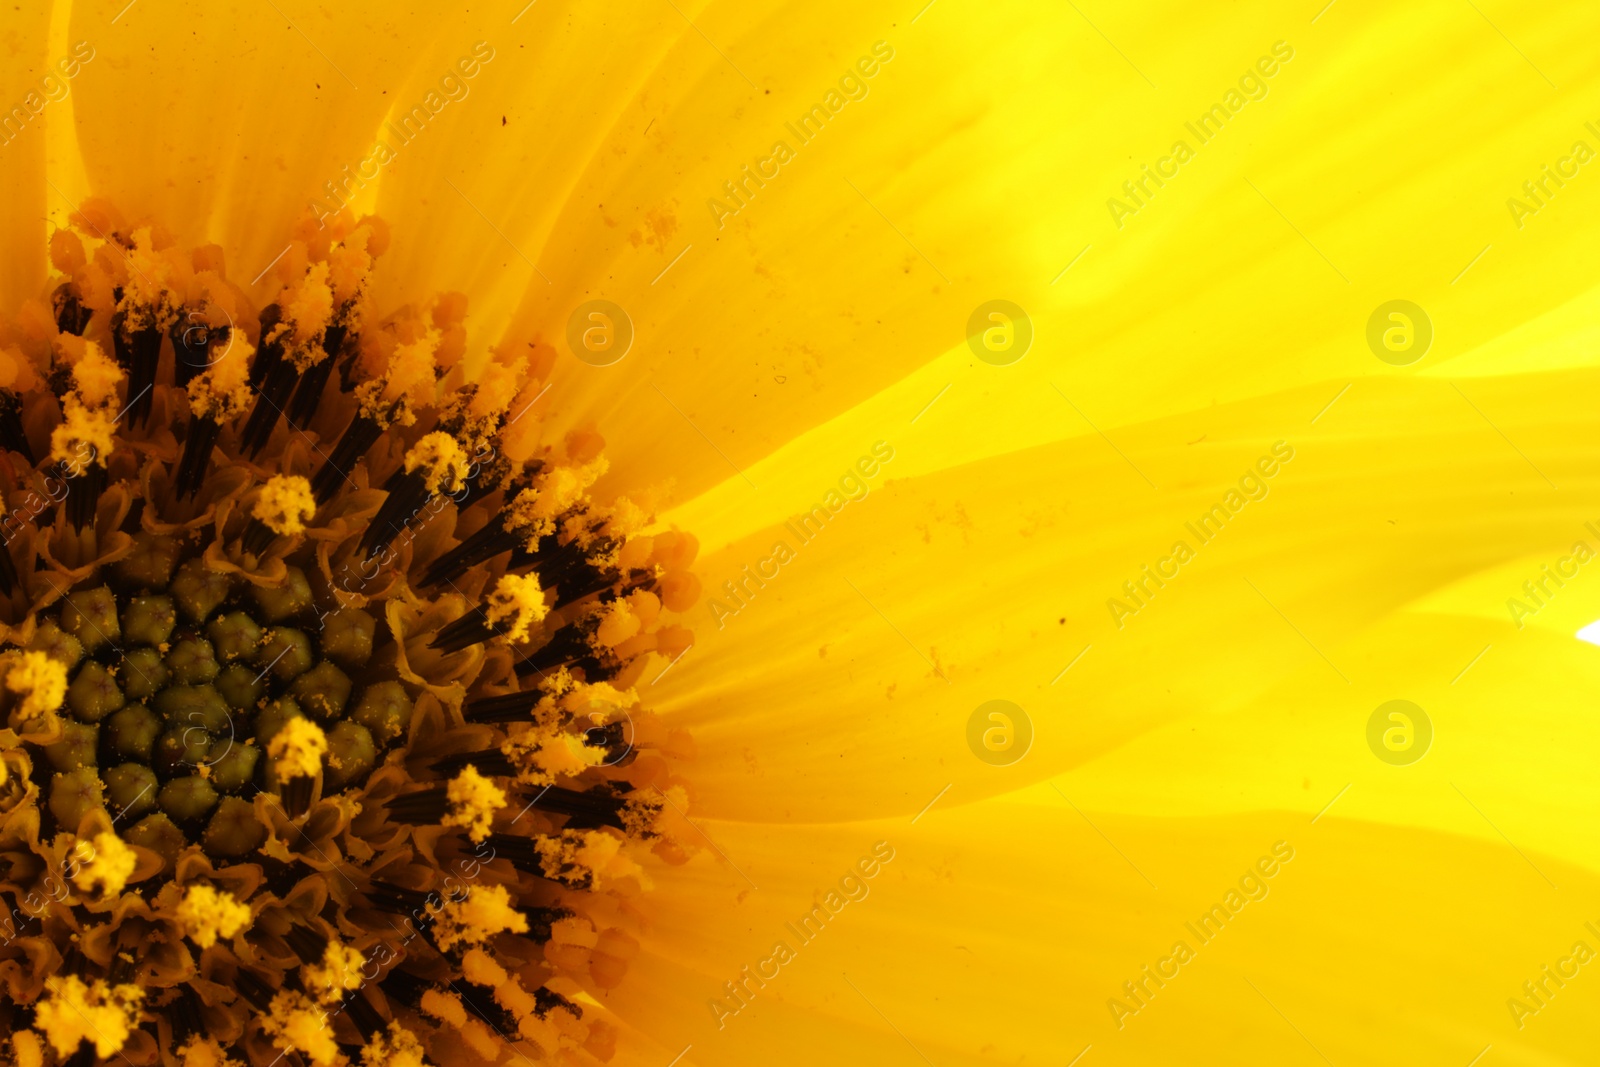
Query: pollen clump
point(339, 971)
point(84, 436)
point(474, 800)
point(100, 1013)
point(108, 865)
point(293, 1021)
point(395, 1047)
point(443, 463)
point(41, 682)
point(223, 390)
point(208, 914)
point(298, 749)
point(474, 919)
point(285, 504)
point(516, 605)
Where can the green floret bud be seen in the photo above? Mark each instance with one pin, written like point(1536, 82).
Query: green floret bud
point(90, 615)
point(384, 709)
point(187, 798)
point(150, 563)
point(273, 717)
point(57, 644)
point(133, 732)
point(94, 693)
point(192, 661)
point(233, 764)
point(180, 748)
point(199, 590)
point(347, 637)
point(286, 653)
point(234, 830)
point(282, 602)
point(234, 636)
point(143, 673)
point(158, 834)
point(193, 705)
point(75, 794)
point(148, 620)
point(131, 788)
point(322, 690)
point(351, 756)
point(240, 686)
point(79, 744)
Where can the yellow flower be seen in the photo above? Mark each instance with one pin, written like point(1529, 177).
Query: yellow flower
point(1138, 464)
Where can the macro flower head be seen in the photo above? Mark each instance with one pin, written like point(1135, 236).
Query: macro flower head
point(701, 534)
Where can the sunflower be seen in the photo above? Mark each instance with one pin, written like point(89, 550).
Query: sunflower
point(748, 533)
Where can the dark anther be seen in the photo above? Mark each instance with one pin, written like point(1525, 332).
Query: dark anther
point(470, 629)
point(480, 547)
point(490, 761)
point(257, 536)
point(12, 435)
point(405, 501)
point(360, 435)
point(309, 392)
point(139, 353)
point(71, 315)
point(192, 343)
point(509, 707)
point(83, 493)
point(202, 438)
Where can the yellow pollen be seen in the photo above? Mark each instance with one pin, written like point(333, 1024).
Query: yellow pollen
point(84, 436)
point(41, 682)
point(100, 1013)
point(340, 970)
point(26, 1048)
point(397, 1047)
point(293, 1021)
point(108, 865)
point(482, 914)
point(96, 377)
point(298, 749)
point(542, 758)
point(444, 465)
point(223, 391)
point(473, 801)
point(519, 599)
point(205, 1052)
point(308, 307)
point(208, 914)
point(285, 504)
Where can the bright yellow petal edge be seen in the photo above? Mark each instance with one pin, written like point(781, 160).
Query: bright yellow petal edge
point(1215, 730)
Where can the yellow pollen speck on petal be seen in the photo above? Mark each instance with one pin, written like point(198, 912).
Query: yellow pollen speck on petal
point(105, 863)
point(285, 504)
point(480, 915)
point(298, 749)
point(41, 682)
point(516, 604)
point(83, 437)
point(208, 914)
point(474, 800)
point(396, 1047)
point(443, 463)
point(73, 1012)
point(339, 971)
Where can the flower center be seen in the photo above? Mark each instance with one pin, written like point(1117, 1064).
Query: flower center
point(313, 647)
